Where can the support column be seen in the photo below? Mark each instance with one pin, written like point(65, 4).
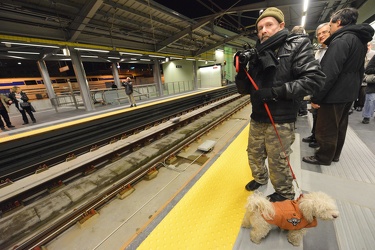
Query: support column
point(46, 80)
point(157, 77)
point(82, 79)
point(115, 74)
point(195, 77)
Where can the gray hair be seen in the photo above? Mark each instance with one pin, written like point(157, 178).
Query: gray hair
point(319, 27)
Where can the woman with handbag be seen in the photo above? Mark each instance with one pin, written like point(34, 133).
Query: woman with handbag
point(22, 103)
point(369, 107)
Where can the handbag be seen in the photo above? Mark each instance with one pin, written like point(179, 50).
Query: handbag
point(25, 104)
point(370, 78)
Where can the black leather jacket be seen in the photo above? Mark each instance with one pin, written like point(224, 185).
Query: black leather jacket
point(24, 98)
point(297, 70)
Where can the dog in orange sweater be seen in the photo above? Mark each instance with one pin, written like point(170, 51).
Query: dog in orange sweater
point(294, 216)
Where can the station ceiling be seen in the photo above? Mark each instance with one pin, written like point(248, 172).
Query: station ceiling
point(138, 29)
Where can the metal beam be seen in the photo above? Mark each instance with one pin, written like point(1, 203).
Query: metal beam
point(86, 14)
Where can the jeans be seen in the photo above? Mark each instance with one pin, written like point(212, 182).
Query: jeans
point(369, 108)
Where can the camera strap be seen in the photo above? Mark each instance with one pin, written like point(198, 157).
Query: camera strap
point(271, 118)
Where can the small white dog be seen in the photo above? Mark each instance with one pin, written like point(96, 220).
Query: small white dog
point(293, 216)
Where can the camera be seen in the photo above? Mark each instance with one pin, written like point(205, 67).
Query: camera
point(247, 55)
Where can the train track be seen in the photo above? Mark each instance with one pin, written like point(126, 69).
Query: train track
point(86, 208)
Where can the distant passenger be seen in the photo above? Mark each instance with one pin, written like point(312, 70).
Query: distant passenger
point(22, 103)
point(128, 85)
point(4, 109)
point(369, 108)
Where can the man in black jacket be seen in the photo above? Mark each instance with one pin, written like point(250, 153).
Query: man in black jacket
point(285, 70)
point(344, 68)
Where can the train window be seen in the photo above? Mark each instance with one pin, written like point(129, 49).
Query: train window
point(94, 79)
point(40, 82)
point(18, 83)
point(30, 82)
point(60, 80)
point(73, 80)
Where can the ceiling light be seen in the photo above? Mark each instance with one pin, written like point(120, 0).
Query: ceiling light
point(93, 50)
point(24, 52)
point(156, 56)
point(145, 60)
point(303, 21)
point(17, 57)
point(190, 59)
point(132, 54)
point(89, 56)
point(178, 58)
point(114, 58)
point(305, 5)
point(33, 45)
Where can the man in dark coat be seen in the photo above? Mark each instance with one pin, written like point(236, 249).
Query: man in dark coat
point(344, 68)
point(285, 70)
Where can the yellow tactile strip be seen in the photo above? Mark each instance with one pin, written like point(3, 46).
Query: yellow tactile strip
point(209, 215)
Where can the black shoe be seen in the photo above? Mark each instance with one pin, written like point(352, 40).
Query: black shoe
point(275, 197)
point(336, 159)
point(25, 123)
point(366, 120)
point(34, 121)
point(135, 105)
point(303, 114)
point(309, 139)
point(313, 160)
point(252, 185)
point(359, 109)
point(2, 128)
point(131, 105)
point(314, 144)
point(11, 126)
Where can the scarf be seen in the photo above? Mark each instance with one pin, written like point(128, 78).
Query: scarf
point(266, 50)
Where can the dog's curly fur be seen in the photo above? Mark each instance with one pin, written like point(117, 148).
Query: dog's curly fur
point(315, 204)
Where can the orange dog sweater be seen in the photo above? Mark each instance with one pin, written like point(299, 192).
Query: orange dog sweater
point(288, 216)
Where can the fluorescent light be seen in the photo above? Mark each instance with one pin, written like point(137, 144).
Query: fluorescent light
point(34, 45)
point(145, 60)
point(89, 56)
point(305, 5)
point(303, 21)
point(132, 54)
point(178, 58)
point(200, 60)
point(93, 50)
point(190, 59)
point(134, 59)
point(23, 52)
point(156, 56)
point(17, 57)
point(113, 57)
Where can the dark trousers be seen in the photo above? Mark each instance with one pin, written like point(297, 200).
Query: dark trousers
point(330, 131)
point(5, 116)
point(360, 102)
point(23, 112)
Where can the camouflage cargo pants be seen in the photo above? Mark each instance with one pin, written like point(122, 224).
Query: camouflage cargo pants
point(263, 143)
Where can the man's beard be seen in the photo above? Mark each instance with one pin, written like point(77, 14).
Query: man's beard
point(264, 38)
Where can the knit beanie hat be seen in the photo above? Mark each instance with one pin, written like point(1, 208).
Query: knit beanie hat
point(271, 12)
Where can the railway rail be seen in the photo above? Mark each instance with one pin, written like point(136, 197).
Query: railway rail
point(131, 177)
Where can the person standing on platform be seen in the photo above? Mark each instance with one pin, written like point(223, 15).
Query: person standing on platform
point(360, 102)
point(4, 109)
point(369, 108)
point(285, 70)
point(128, 85)
point(322, 33)
point(343, 64)
point(22, 103)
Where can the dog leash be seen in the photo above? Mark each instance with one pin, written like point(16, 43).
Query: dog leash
point(271, 119)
